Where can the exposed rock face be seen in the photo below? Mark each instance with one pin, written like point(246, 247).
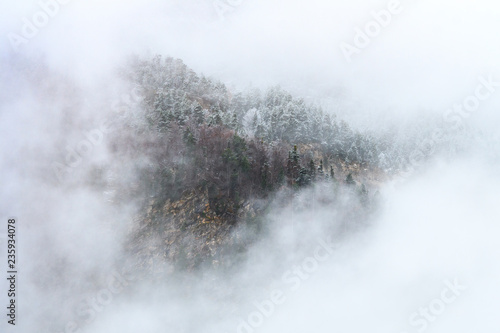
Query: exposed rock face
point(189, 233)
point(195, 232)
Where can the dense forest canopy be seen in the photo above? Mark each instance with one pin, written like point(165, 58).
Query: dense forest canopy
point(174, 94)
point(199, 135)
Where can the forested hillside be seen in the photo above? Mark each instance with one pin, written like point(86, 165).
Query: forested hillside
point(212, 154)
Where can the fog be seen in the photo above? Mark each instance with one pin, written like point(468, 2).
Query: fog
point(432, 244)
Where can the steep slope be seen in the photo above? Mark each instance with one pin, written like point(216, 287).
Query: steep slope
point(210, 162)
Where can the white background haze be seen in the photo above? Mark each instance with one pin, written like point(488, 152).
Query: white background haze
point(439, 224)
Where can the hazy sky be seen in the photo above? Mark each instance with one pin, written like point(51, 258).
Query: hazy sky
point(427, 57)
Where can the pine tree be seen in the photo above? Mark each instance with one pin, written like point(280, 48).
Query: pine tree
point(234, 122)
point(303, 178)
point(332, 173)
point(293, 165)
point(312, 171)
point(198, 115)
point(349, 180)
point(321, 173)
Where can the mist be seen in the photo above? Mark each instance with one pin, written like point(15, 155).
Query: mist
point(423, 260)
